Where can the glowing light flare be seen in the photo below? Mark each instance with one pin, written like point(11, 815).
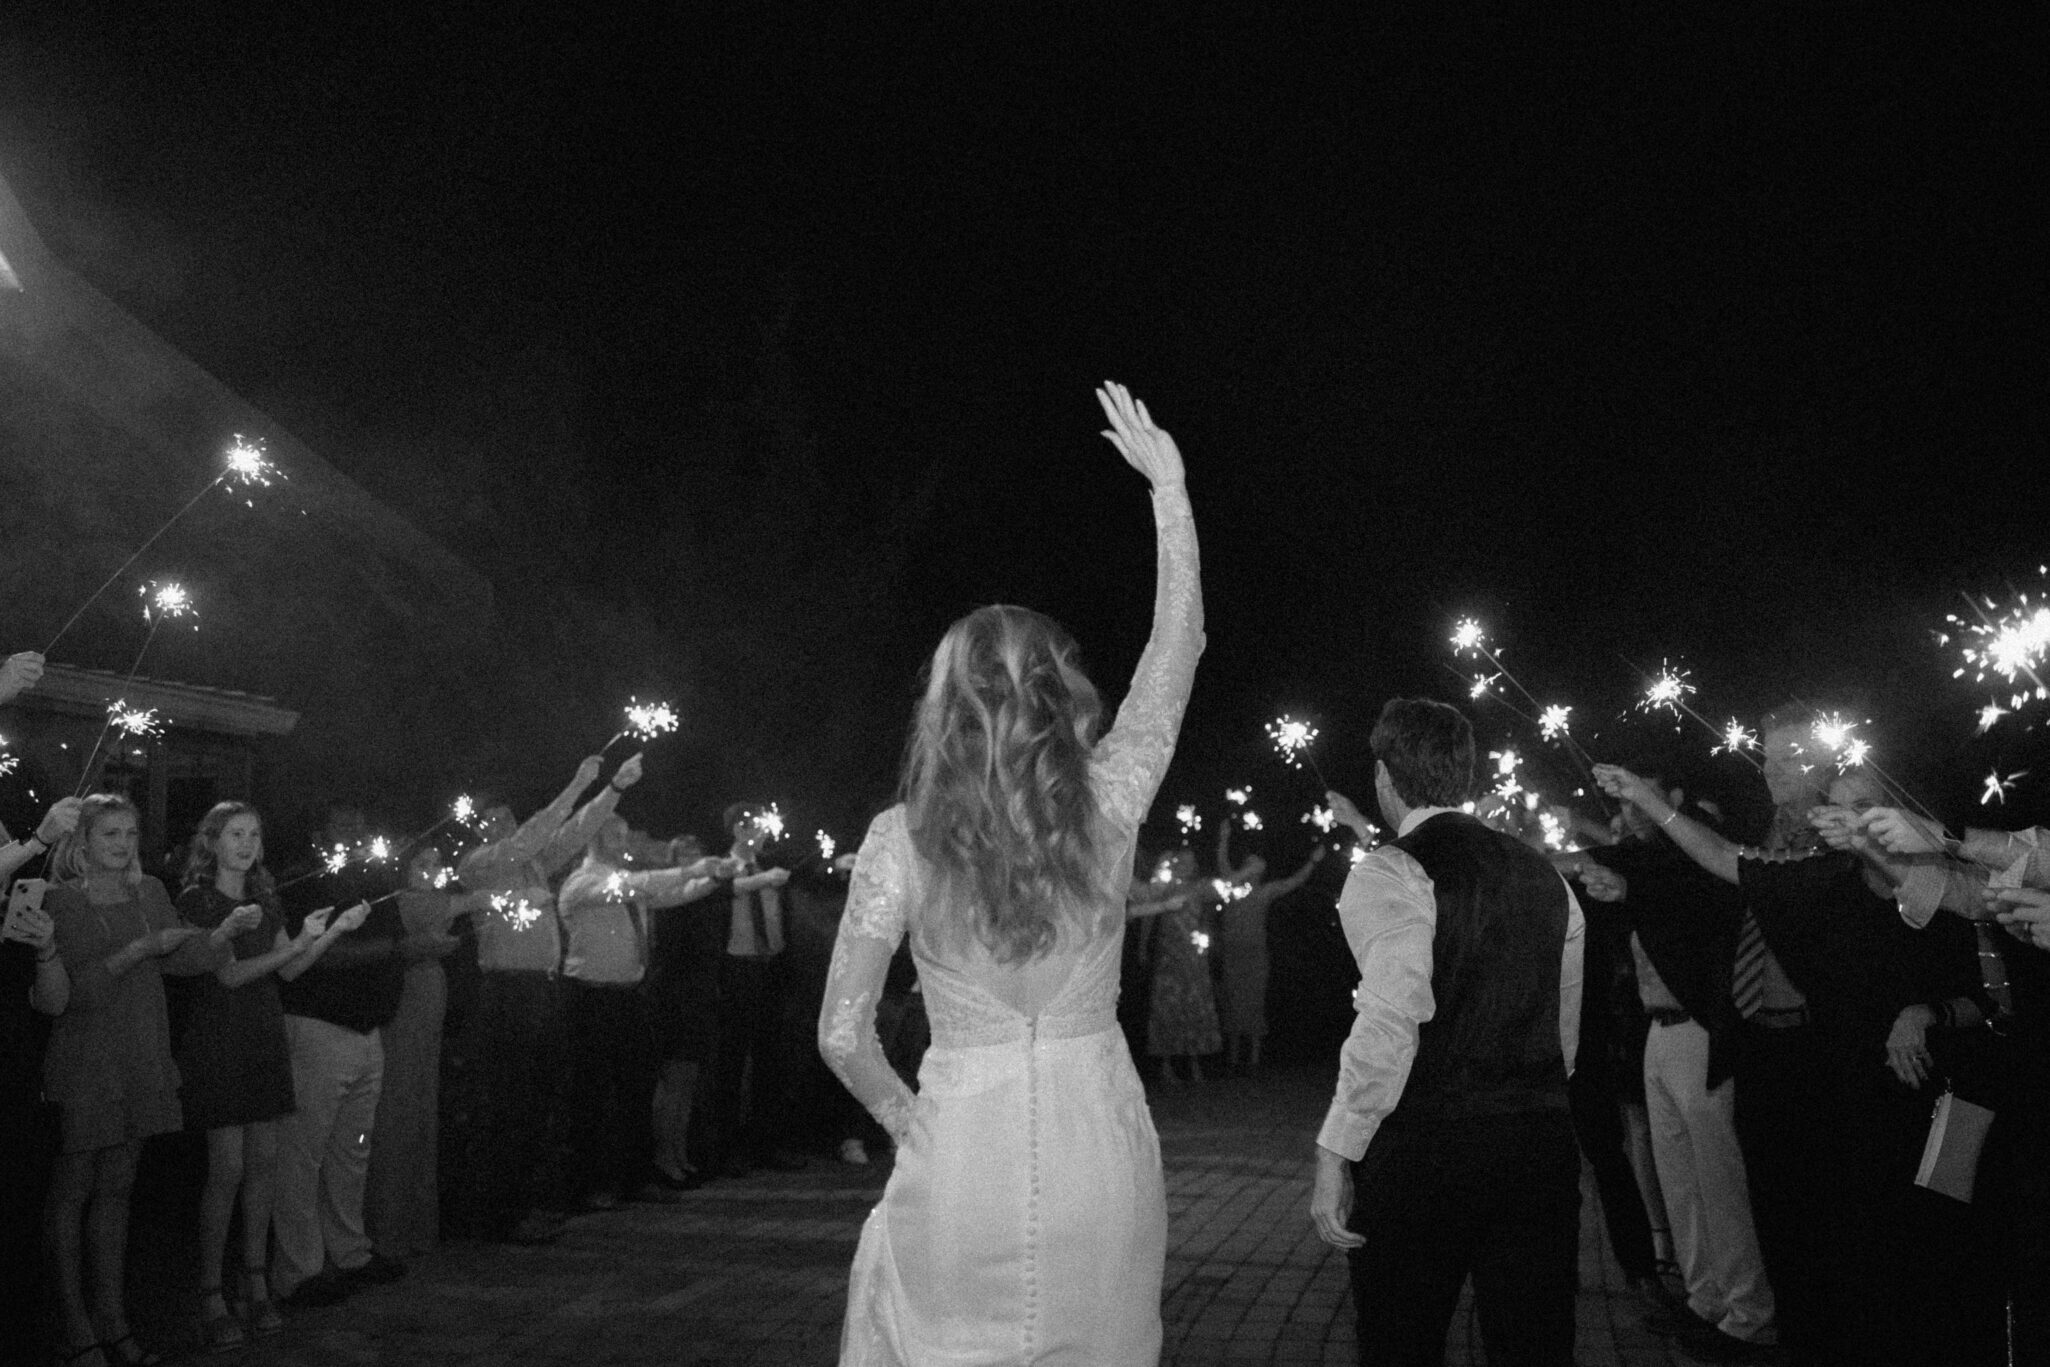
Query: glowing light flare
point(1188, 818)
point(247, 462)
point(1997, 787)
point(139, 722)
point(516, 912)
point(649, 720)
point(1163, 871)
point(1468, 635)
point(1200, 940)
point(1555, 722)
point(443, 876)
point(1736, 739)
point(826, 845)
point(1251, 821)
point(769, 821)
point(1669, 690)
point(1323, 818)
point(1554, 831)
point(1238, 797)
point(1291, 738)
point(1358, 857)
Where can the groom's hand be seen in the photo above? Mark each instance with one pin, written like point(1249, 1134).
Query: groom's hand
point(1331, 1200)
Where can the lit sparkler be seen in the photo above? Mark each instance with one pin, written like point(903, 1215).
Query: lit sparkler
point(1554, 722)
point(1669, 690)
point(245, 460)
point(1506, 764)
point(1359, 854)
point(1736, 739)
point(769, 821)
point(1483, 684)
point(1292, 741)
point(1200, 940)
point(464, 809)
point(826, 846)
point(336, 859)
point(1468, 635)
point(1238, 797)
point(377, 851)
point(138, 722)
point(645, 720)
point(1989, 714)
point(517, 912)
point(1250, 820)
point(167, 601)
point(8, 763)
point(1188, 818)
point(1997, 787)
point(1323, 818)
point(615, 886)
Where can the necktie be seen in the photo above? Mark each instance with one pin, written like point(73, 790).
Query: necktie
point(1747, 979)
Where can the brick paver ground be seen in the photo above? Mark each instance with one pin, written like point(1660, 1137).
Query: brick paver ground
point(755, 1271)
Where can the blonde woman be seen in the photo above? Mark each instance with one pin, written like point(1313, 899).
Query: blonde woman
point(1025, 1219)
point(109, 1067)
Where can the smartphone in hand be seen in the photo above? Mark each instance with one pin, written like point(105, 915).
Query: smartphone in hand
point(25, 896)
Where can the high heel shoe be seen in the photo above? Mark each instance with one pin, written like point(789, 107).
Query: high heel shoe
point(258, 1310)
point(219, 1331)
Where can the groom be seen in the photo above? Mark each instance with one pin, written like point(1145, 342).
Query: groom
point(1448, 1150)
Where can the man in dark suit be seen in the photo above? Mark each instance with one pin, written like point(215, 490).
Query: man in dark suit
point(1448, 1150)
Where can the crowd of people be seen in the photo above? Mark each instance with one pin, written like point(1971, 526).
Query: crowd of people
point(1798, 1030)
point(627, 1019)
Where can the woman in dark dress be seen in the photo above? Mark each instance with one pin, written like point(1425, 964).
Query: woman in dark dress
point(236, 1066)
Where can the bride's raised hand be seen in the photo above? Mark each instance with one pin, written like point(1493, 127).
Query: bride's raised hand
point(1145, 447)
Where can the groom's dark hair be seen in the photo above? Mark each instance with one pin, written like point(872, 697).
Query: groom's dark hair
point(1428, 748)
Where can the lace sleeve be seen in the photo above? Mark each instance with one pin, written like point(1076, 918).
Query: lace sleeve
point(870, 930)
point(1133, 758)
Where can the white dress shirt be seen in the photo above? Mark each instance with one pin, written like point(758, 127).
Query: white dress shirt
point(1389, 910)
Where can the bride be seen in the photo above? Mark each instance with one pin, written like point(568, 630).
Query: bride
point(1025, 1221)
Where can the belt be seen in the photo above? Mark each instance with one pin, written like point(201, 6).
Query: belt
point(1669, 1015)
point(1779, 1018)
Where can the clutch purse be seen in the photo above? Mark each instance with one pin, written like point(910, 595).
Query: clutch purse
point(1950, 1158)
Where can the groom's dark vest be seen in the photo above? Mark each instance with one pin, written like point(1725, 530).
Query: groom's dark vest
point(1492, 1046)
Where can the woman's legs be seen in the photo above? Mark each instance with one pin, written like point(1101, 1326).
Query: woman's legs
point(224, 1171)
point(259, 1193)
point(71, 1187)
point(106, 1234)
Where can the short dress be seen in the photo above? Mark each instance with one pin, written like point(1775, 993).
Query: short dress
point(234, 1057)
point(109, 1067)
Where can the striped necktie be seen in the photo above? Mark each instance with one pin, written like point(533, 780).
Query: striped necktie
point(1747, 979)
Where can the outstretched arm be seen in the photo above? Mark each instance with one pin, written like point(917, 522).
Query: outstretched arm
point(1704, 846)
point(1283, 887)
point(1134, 757)
point(870, 931)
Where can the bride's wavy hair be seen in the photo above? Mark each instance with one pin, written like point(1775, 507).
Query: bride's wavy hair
point(996, 779)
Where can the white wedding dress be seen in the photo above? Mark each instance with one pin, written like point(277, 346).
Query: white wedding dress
point(1025, 1220)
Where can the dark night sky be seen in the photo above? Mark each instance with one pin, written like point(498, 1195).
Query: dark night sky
point(1703, 332)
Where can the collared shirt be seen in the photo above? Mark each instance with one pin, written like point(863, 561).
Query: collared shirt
point(519, 931)
point(1389, 910)
point(1652, 991)
point(604, 910)
point(741, 939)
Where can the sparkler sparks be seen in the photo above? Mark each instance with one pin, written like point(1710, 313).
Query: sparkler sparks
point(1291, 738)
point(1238, 797)
point(8, 763)
point(1200, 941)
point(1188, 818)
point(1669, 690)
point(648, 720)
point(517, 912)
point(826, 846)
point(1506, 763)
point(615, 887)
point(1554, 722)
point(248, 463)
point(1323, 818)
point(336, 859)
point(1997, 787)
point(1251, 821)
point(166, 602)
point(139, 722)
point(769, 821)
point(1483, 684)
point(378, 851)
point(464, 810)
point(1989, 714)
point(1736, 739)
point(1468, 635)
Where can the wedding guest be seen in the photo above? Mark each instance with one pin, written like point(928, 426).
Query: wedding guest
point(1182, 1015)
point(1242, 944)
point(604, 908)
point(1448, 1149)
point(337, 1002)
point(685, 946)
point(109, 1066)
point(752, 1082)
point(507, 1168)
point(402, 1194)
point(33, 988)
point(1682, 926)
point(235, 1062)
